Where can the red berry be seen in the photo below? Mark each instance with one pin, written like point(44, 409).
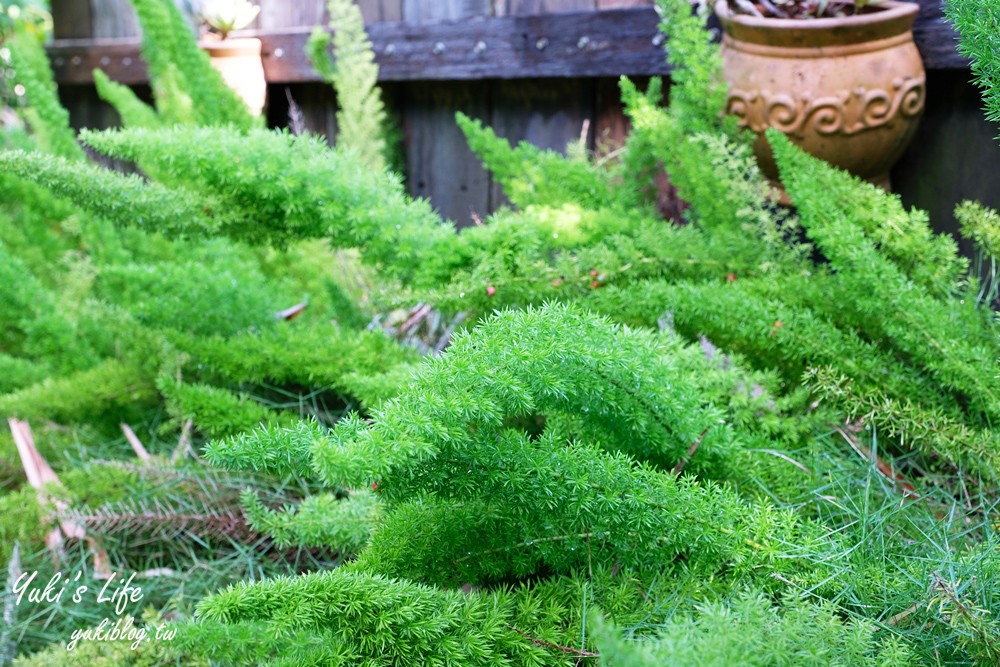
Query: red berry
point(491, 290)
point(730, 277)
point(593, 273)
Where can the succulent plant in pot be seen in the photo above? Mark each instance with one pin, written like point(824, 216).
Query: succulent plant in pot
point(225, 16)
point(843, 79)
point(238, 59)
point(802, 9)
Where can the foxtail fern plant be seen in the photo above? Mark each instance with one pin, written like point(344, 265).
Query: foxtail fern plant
point(48, 120)
point(745, 455)
point(363, 126)
point(976, 23)
point(186, 88)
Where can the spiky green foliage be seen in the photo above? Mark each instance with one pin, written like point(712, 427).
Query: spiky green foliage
point(550, 362)
point(916, 324)
point(104, 325)
point(750, 455)
point(362, 122)
point(358, 619)
point(150, 651)
point(526, 172)
point(179, 69)
point(49, 121)
point(295, 188)
point(154, 519)
point(977, 24)
point(982, 225)
point(698, 96)
point(324, 357)
point(753, 632)
point(470, 498)
point(124, 199)
point(216, 411)
point(344, 524)
point(133, 111)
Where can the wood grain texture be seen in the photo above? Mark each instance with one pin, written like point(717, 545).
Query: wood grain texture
point(611, 125)
point(97, 19)
point(528, 7)
point(276, 14)
point(547, 114)
point(381, 11)
point(619, 4)
point(71, 19)
point(439, 164)
point(953, 156)
point(422, 11)
point(114, 18)
point(317, 101)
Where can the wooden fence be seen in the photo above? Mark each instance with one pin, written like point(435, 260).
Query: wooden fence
point(543, 71)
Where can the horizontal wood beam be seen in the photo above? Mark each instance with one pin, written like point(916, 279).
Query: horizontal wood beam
point(568, 45)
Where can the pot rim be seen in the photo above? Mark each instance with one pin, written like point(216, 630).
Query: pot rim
point(887, 10)
point(892, 23)
point(232, 46)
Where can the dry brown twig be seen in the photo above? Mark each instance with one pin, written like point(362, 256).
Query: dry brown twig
point(183, 443)
point(136, 444)
point(40, 476)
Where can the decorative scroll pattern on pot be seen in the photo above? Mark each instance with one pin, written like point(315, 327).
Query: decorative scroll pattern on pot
point(847, 113)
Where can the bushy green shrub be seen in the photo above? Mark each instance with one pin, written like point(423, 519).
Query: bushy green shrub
point(747, 455)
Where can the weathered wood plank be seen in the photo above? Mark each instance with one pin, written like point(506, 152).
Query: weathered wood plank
point(547, 114)
point(579, 44)
point(291, 13)
point(549, 45)
point(936, 38)
point(611, 125)
point(953, 156)
point(97, 19)
point(439, 164)
point(528, 7)
point(316, 101)
point(114, 18)
point(72, 19)
point(381, 11)
point(512, 47)
point(618, 4)
point(422, 11)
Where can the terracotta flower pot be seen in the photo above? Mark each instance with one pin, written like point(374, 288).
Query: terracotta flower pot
point(848, 90)
point(239, 62)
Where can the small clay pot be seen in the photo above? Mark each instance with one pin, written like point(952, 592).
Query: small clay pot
point(848, 90)
point(239, 62)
